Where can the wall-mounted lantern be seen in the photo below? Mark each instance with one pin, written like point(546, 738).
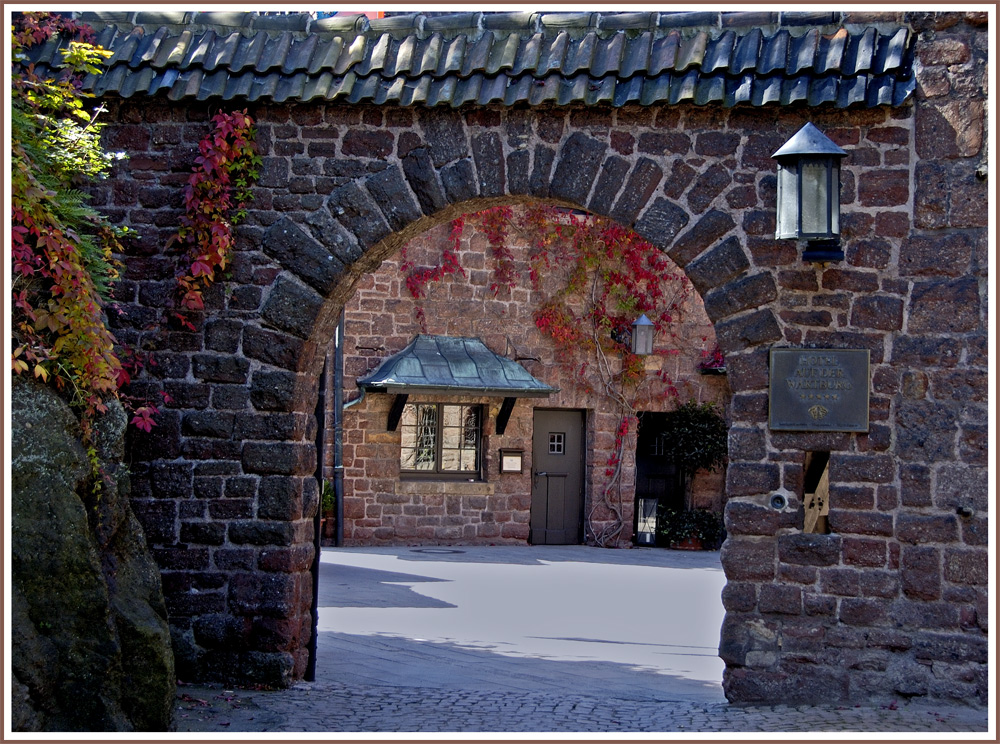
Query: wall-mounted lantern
point(645, 520)
point(642, 336)
point(809, 193)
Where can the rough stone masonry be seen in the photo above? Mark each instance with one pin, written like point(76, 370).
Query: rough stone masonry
point(893, 602)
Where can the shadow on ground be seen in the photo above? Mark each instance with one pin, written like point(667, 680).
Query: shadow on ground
point(352, 586)
point(395, 661)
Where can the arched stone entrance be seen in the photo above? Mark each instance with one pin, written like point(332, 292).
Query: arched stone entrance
point(224, 484)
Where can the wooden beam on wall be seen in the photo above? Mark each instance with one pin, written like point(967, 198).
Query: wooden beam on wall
point(504, 416)
point(396, 412)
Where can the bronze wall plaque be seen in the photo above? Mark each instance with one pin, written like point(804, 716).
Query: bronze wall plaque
point(819, 389)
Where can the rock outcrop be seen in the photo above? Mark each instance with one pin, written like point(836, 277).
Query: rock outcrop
point(90, 642)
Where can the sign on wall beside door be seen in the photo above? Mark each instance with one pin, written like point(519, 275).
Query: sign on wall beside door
point(819, 390)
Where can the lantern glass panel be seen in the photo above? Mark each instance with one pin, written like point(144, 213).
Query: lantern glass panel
point(815, 212)
point(642, 339)
point(788, 201)
point(646, 521)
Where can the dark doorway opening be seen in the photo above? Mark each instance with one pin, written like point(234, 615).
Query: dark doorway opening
point(660, 485)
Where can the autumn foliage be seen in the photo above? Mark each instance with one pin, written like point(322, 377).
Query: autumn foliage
point(215, 199)
point(61, 248)
point(597, 278)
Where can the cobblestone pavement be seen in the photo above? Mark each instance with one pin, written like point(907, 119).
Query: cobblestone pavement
point(509, 639)
point(331, 708)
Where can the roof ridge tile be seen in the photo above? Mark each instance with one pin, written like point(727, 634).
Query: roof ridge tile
point(552, 54)
point(453, 58)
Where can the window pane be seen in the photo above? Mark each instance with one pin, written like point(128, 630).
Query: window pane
point(418, 437)
point(470, 460)
point(788, 211)
point(460, 438)
point(427, 424)
point(815, 219)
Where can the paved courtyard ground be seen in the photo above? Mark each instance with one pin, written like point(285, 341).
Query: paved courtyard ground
point(528, 639)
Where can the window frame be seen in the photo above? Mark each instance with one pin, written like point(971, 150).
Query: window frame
point(438, 473)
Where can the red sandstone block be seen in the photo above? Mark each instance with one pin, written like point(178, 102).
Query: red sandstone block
point(863, 611)
point(962, 566)
point(864, 552)
point(921, 572)
point(515, 530)
point(943, 52)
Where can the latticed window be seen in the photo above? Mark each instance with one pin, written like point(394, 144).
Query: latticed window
point(440, 439)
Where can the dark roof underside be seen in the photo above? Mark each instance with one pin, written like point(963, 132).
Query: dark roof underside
point(503, 58)
point(445, 364)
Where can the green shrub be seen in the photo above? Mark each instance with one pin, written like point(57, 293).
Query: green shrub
point(696, 436)
point(674, 526)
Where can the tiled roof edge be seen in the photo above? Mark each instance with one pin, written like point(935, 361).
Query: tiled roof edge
point(499, 23)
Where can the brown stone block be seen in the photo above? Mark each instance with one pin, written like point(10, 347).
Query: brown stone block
point(963, 566)
point(839, 581)
point(920, 570)
point(804, 281)
point(860, 522)
point(819, 604)
point(961, 385)
point(861, 468)
point(771, 252)
point(884, 188)
point(948, 130)
point(863, 611)
point(943, 52)
point(750, 479)
point(918, 528)
point(850, 280)
point(878, 313)
point(852, 497)
point(864, 552)
point(746, 518)
point(780, 599)
point(748, 559)
point(797, 574)
point(286, 560)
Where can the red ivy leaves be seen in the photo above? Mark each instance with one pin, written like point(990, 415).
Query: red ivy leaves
point(419, 277)
point(61, 250)
point(215, 199)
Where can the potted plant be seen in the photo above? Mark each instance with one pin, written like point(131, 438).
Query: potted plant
point(696, 529)
point(328, 510)
point(696, 437)
point(712, 362)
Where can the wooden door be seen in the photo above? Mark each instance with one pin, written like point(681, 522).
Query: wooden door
point(557, 478)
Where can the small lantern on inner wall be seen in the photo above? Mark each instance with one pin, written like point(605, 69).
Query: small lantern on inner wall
point(645, 520)
point(642, 336)
point(809, 193)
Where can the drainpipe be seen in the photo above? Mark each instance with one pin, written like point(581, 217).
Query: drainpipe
point(310, 675)
point(338, 429)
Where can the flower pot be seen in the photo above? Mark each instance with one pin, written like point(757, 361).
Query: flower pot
point(688, 543)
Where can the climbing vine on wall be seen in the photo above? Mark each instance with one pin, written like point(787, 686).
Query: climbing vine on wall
point(61, 248)
point(598, 278)
point(215, 199)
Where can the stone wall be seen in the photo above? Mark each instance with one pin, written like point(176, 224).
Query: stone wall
point(382, 318)
point(893, 602)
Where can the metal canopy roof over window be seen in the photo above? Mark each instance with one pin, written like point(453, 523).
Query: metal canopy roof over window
point(446, 364)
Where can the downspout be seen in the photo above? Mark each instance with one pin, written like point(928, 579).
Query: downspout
point(338, 429)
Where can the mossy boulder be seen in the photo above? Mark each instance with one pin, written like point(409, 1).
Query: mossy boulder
point(90, 642)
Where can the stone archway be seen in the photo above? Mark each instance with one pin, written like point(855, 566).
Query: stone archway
point(224, 484)
point(427, 171)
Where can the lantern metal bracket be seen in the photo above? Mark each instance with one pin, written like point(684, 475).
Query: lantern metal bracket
point(823, 251)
